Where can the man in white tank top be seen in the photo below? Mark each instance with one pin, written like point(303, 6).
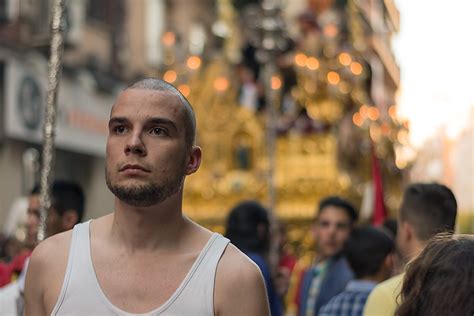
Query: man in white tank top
point(146, 257)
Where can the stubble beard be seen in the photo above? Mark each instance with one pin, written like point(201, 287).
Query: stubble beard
point(144, 195)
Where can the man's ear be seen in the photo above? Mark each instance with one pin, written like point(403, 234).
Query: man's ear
point(389, 261)
point(69, 219)
point(194, 160)
point(314, 229)
point(386, 268)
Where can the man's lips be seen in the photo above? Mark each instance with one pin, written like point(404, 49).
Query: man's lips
point(134, 167)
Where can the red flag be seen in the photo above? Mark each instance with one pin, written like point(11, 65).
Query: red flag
point(380, 212)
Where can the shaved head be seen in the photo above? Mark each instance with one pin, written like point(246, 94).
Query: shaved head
point(161, 85)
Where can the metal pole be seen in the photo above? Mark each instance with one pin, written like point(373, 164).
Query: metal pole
point(272, 34)
point(268, 72)
point(57, 45)
point(271, 31)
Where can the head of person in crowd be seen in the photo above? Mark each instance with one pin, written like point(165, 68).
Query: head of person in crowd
point(33, 217)
point(67, 206)
point(333, 225)
point(369, 251)
point(440, 280)
point(248, 227)
point(426, 209)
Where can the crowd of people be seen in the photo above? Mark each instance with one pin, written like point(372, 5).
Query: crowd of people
point(360, 269)
point(148, 258)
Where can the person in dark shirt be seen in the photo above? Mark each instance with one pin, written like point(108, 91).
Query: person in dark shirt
point(248, 228)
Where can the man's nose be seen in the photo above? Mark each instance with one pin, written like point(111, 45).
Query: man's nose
point(332, 229)
point(135, 145)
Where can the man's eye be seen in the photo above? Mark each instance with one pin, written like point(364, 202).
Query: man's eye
point(35, 212)
point(157, 131)
point(120, 129)
point(342, 225)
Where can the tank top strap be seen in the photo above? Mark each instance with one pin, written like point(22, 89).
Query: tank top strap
point(199, 288)
point(75, 259)
point(215, 250)
point(211, 255)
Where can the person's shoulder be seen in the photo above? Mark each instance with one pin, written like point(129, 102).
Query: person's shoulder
point(339, 269)
point(383, 298)
point(340, 262)
point(332, 305)
point(390, 285)
point(50, 253)
point(52, 245)
point(237, 266)
point(239, 275)
point(45, 273)
point(48, 249)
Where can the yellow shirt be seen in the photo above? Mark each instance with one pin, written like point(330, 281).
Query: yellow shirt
point(383, 300)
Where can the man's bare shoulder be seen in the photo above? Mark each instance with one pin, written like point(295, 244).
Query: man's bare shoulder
point(50, 256)
point(45, 273)
point(239, 275)
point(52, 248)
point(234, 261)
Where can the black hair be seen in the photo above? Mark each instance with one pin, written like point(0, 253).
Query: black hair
point(248, 227)
point(341, 203)
point(366, 249)
point(161, 85)
point(65, 196)
point(430, 208)
point(391, 226)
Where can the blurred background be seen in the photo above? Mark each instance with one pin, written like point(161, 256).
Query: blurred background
point(294, 101)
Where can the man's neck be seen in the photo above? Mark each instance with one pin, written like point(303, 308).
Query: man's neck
point(148, 228)
point(371, 278)
point(416, 248)
point(377, 278)
point(322, 259)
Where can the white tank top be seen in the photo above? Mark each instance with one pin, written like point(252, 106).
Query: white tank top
point(81, 293)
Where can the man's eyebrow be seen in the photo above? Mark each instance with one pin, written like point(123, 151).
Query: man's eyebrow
point(117, 120)
point(150, 121)
point(162, 121)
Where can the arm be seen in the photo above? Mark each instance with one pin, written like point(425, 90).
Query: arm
point(45, 274)
point(239, 287)
point(34, 290)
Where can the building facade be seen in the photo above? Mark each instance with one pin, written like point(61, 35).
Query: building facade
point(336, 84)
point(107, 44)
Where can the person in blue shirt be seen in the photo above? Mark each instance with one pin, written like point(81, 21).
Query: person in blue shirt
point(248, 228)
point(330, 272)
point(369, 252)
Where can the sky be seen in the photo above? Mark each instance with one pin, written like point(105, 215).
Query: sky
point(435, 51)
